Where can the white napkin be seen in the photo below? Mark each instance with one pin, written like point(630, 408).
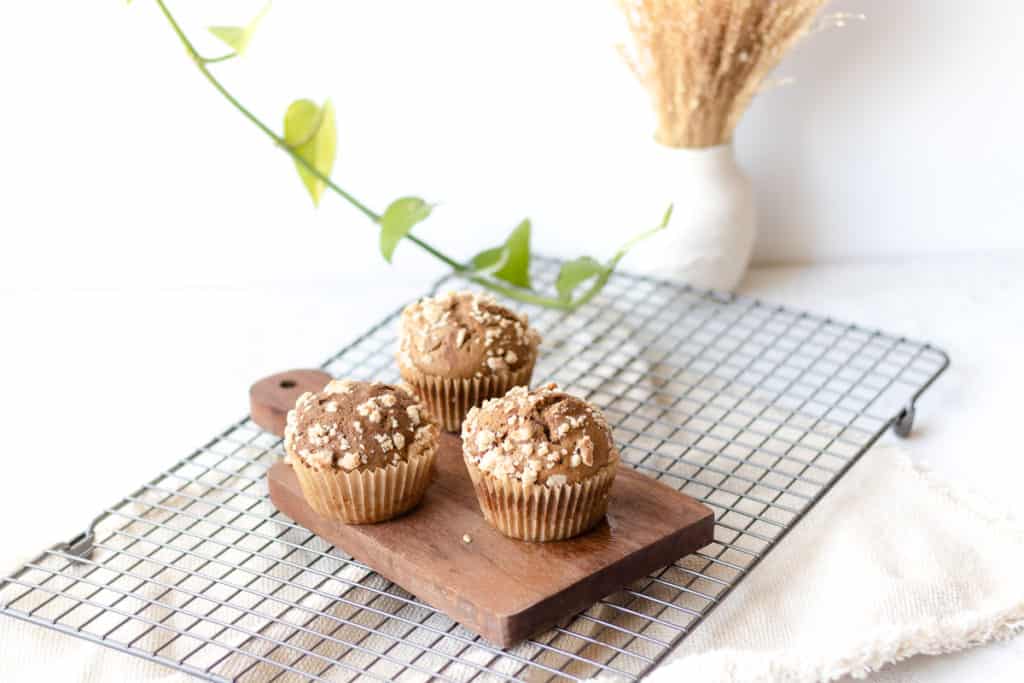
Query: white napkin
point(889, 565)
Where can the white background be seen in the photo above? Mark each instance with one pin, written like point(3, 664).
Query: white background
point(901, 136)
point(158, 254)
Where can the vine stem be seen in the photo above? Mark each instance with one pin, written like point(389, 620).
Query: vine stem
point(201, 63)
point(513, 293)
point(523, 295)
point(222, 58)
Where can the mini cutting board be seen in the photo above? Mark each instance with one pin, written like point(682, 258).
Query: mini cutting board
point(504, 589)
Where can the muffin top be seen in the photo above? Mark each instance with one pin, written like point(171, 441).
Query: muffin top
point(464, 335)
point(357, 426)
point(543, 436)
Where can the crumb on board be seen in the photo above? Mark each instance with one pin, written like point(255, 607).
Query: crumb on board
point(466, 538)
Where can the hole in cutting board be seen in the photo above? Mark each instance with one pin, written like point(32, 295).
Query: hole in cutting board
point(287, 384)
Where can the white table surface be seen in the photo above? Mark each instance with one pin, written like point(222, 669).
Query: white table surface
point(104, 388)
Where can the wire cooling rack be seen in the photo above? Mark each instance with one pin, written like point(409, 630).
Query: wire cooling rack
point(755, 409)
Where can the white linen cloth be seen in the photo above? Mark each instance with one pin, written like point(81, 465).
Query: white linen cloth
point(891, 564)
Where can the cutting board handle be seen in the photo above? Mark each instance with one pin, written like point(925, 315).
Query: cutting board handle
point(272, 397)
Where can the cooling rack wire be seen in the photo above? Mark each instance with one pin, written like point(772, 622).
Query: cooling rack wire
point(755, 409)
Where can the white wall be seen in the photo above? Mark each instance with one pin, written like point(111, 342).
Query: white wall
point(900, 136)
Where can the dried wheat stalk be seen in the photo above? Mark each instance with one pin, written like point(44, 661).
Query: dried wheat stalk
point(703, 60)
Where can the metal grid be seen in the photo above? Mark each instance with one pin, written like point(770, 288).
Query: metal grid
point(755, 409)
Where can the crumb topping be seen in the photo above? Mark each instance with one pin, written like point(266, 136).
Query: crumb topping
point(465, 334)
point(541, 436)
point(357, 425)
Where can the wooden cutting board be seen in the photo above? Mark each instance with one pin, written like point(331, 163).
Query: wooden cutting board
point(505, 590)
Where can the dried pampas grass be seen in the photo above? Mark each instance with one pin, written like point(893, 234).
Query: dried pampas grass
point(703, 60)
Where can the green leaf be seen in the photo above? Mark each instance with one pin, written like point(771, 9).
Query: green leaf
point(489, 261)
point(509, 262)
point(516, 267)
point(574, 273)
point(398, 219)
point(310, 132)
point(239, 37)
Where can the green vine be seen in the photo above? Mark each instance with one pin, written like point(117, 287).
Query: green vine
point(309, 139)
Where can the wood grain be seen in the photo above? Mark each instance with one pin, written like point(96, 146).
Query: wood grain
point(507, 590)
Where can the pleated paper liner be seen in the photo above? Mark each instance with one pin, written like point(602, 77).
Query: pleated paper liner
point(449, 399)
point(535, 512)
point(364, 497)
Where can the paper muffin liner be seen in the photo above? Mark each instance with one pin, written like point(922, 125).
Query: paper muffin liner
point(449, 399)
point(535, 512)
point(364, 497)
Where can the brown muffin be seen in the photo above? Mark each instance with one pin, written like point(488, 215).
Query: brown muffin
point(462, 348)
point(362, 452)
point(542, 463)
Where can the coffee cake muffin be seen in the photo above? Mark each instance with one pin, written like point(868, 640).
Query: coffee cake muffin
point(542, 463)
point(462, 348)
point(363, 452)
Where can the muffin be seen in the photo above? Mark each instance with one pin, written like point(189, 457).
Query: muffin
point(459, 349)
point(363, 452)
point(542, 463)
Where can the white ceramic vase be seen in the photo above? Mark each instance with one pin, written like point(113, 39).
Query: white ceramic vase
point(710, 239)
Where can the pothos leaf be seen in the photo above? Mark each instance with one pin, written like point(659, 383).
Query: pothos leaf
point(511, 261)
point(574, 273)
point(398, 219)
point(489, 261)
point(310, 132)
point(239, 37)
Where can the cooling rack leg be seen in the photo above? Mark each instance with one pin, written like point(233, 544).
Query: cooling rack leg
point(81, 545)
point(904, 421)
